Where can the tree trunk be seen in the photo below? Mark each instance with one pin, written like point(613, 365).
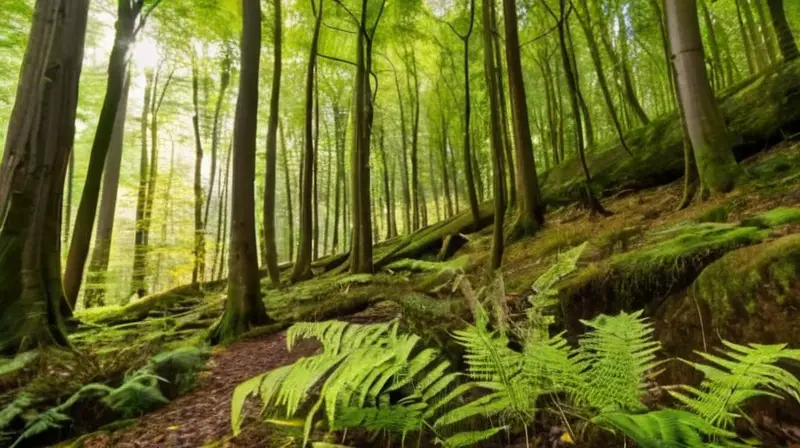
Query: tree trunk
point(445, 173)
point(786, 42)
point(404, 161)
point(140, 247)
point(386, 191)
point(498, 164)
point(327, 191)
point(288, 184)
point(710, 141)
point(222, 221)
point(271, 157)
point(302, 267)
point(530, 211)
point(767, 33)
point(468, 156)
point(415, 106)
point(316, 167)
point(98, 264)
point(337, 125)
point(224, 82)
point(716, 58)
point(757, 39)
point(244, 308)
point(199, 226)
point(748, 46)
point(127, 16)
point(513, 186)
point(67, 224)
point(40, 137)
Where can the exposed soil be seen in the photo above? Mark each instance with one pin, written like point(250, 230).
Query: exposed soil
point(203, 416)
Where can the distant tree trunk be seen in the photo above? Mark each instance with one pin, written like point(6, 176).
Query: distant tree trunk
point(127, 15)
point(316, 167)
point(272, 131)
point(767, 33)
point(222, 220)
point(748, 45)
point(140, 247)
point(224, 82)
point(386, 191)
point(415, 107)
point(40, 138)
point(199, 226)
point(757, 39)
point(244, 308)
point(445, 174)
point(288, 184)
point(572, 81)
point(786, 42)
point(404, 161)
point(337, 132)
point(327, 190)
point(302, 267)
point(68, 213)
point(167, 216)
point(361, 247)
point(706, 128)
point(511, 193)
point(434, 189)
point(496, 136)
point(716, 58)
point(583, 18)
point(98, 264)
point(530, 211)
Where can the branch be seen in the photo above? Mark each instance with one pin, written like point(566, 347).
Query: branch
point(334, 58)
point(336, 28)
point(164, 92)
point(145, 15)
point(375, 26)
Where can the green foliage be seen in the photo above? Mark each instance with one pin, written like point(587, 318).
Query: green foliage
point(665, 428)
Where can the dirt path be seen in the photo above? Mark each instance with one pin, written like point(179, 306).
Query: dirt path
point(203, 416)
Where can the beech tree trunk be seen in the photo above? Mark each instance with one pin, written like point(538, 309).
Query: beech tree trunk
point(98, 264)
point(40, 137)
point(337, 131)
point(530, 211)
point(127, 15)
point(140, 247)
point(404, 161)
point(415, 107)
point(224, 82)
point(244, 308)
point(786, 42)
point(706, 128)
point(386, 191)
point(199, 226)
point(302, 266)
point(271, 157)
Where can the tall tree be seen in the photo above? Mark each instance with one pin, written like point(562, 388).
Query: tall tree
point(411, 67)
point(224, 82)
point(271, 157)
point(140, 247)
point(199, 227)
point(530, 211)
point(128, 15)
point(98, 264)
point(40, 137)
point(704, 123)
point(786, 42)
point(244, 308)
point(302, 266)
point(288, 185)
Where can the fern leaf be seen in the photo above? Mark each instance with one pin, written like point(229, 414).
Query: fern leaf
point(240, 395)
point(488, 405)
point(470, 438)
point(665, 428)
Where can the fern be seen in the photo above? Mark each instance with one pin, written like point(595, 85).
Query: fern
point(741, 373)
point(615, 356)
point(665, 428)
point(469, 438)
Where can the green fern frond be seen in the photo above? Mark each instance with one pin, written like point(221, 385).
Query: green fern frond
point(665, 428)
point(741, 373)
point(469, 438)
point(565, 265)
point(615, 355)
point(552, 366)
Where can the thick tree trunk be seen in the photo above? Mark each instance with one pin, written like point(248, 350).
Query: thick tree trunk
point(127, 16)
point(244, 308)
point(786, 42)
point(140, 247)
point(496, 130)
point(38, 144)
point(706, 128)
point(530, 211)
point(302, 267)
point(98, 264)
point(199, 226)
point(271, 157)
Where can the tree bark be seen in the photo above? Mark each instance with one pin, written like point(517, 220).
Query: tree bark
point(244, 308)
point(271, 157)
point(386, 191)
point(98, 264)
point(224, 82)
point(404, 161)
point(222, 220)
point(40, 138)
point(337, 125)
point(513, 186)
point(140, 248)
point(706, 128)
point(530, 211)
point(302, 266)
point(449, 212)
point(127, 15)
point(786, 42)
point(199, 226)
point(288, 185)
point(415, 108)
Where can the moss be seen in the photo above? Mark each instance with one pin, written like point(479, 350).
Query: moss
point(178, 369)
point(668, 261)
point(739, 281)
point(716, 214)
point(776, 217)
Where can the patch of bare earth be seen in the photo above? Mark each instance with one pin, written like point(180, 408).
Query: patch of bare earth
point(203, 416)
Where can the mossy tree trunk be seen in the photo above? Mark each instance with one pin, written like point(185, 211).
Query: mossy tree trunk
point(711, 144)
point(40, 138)
point(271, 157)
point(302, 267)
point(98, 264)
point(244, 308)
point(127, 16)
point(786, 42)
point(496, 136)
point(530, 210)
